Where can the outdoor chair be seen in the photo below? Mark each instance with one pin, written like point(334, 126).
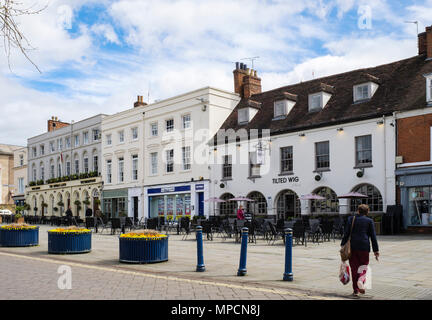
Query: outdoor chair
point(207, 229)
point(129, 223)
point(184, 226)
point(338, 228)
point(228, 230)
point(90, 222)
point(103, 223)
point(274, 234)
point(238, 225)
point(251, 230)
point(115, 224)
point(152, 223)
point(280, 225)
point(299, 233)
point(327, 229)
point(315, 232)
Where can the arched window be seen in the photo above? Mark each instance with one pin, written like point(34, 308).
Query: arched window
point(374, 199)
point(287, 204)
point(329, 205)
point(259, 205)
point(228, 207)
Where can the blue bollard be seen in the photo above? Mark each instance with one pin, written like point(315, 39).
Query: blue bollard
point(243, 253)
point(200, 266)
point(288, 275)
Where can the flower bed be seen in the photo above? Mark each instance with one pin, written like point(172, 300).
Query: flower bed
point(69, 240)
point(145, 246)
point(19, 235)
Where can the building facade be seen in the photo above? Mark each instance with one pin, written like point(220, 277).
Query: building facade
point(20, 175)
point(7, 186)
point(163, 172)
point(64, 168)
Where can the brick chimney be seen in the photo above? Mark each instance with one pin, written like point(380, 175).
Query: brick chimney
point(246, 82)
point(425, 42)
point(139, 102)
point(55, 124)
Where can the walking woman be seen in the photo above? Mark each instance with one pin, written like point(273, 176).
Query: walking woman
point(363, 232)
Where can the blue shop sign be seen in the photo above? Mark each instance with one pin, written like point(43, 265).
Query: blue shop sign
point(199, 187)
point(168, 189)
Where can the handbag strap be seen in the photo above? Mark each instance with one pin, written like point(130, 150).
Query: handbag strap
point(352, 225)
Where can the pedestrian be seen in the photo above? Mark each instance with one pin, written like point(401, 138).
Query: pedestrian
point(69, 216)
point(240, 213)
point(89, 212)
point(363, 232)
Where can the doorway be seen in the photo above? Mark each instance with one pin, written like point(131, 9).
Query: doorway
point(201, 204)
point(135, 208)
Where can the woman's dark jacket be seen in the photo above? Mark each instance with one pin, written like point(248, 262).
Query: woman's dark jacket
point(363, 229)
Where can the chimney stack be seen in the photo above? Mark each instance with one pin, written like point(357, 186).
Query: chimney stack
point(139, 102)
point(425, 42)
point(55, 124)
point(246, 81)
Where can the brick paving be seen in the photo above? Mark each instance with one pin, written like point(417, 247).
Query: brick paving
point(403, 271)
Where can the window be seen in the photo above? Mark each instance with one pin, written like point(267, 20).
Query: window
point(59, 144)
point(322, 155)
point(34, 174)
point(374, 199)
point(34, 153)
point(361, 92)
point(135, 167)
point(228, 207)
point(227, 167)
point(186, 158)
point(186, 119)
point(286, 158)
point(76, 166)
point(52, 147)
point(170, 160)
point(243, 115)
point(363, 150)
point(121, 169)
point(154, 129)
point(42, 172)
point(429, 88)
point(315, 102)
point(76, 141)
point(67, 142)
point(59, 170)
point(134, 133)
point(153, 162)
point(42, 149)
point(259, 205)
point(21, 160)
point(255, 166)
point(68, 168)
point(85, 137)
point(86, 165)
point(52, 169)
point(329, 205)
point(109, 176)
point(169, 125)
point(108, 139)
point(95, 164)
point(280, 108)
point(121, 136)
point(96, 135)
point(20, 185)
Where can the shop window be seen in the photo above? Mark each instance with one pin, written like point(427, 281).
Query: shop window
point(374, 199)
point(329, 205)
point(420, 206)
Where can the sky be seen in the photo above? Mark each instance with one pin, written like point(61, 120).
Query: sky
point(96, 56)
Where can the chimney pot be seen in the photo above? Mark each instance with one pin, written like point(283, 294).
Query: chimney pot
point(237, 65)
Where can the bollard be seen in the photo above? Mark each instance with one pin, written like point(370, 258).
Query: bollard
point(200, 265)
point(243, 253)
point(288, 275)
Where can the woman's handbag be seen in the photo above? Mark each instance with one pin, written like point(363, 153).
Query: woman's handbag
point(345, 251)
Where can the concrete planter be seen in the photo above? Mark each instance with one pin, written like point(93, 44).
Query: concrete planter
point(19, 238)
point(69, 243)
point(145, 250)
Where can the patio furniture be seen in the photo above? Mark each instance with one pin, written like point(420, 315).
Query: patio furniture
point(207, 229)
point(299, 233)
point(103, 223)
point(129, 223)
point(327, 229)
point(90, 222)
point(115, 224)
point(251, 229)
point(274, 234)
point(315, 232)
point(152, 223)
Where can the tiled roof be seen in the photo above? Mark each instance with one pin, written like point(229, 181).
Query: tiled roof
point(402, 86)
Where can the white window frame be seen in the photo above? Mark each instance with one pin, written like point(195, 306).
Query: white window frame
point(21, 160)
point(280, 108)
point(76, 140)
point(169, 160)
point(153, 163)
point(76, 166)
point(186, 121)
point(109, 171)
point(20, 185)
point(68, 168)
point(67, 143)
point(86, 165)
point(42, 149)
point(429, 89)
point(42, 172)
point(52, 146)
point(86, 138)
point(169, 128)
point(135, 167)
point(108, 139)
point(134, 133)
point(96, 134)
point(312, 97)
point(186, 158)
point(96, 164)
point(154, 129)
point(121, 136)
point(243, 115)
point(121, 169)
point(362, 97)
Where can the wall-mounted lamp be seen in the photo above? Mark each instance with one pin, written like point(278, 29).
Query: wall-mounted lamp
point(392, 124)
point(301, 134)
point(340, 129)
point(380, 122)
point(204, 107)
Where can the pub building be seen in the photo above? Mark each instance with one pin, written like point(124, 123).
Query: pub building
point(328, 136)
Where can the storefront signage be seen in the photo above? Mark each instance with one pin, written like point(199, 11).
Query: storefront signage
point(199, 187)
point(168, 189)
point(286, 180)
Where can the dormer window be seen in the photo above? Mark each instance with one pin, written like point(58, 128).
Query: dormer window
point(429, 88)
point(282, 108)
point(364, 91)
point(315, 102)
point(243, 115)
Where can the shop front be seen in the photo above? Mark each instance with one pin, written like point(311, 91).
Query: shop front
point(115, 202)
point(175, 201)
point(416, 196)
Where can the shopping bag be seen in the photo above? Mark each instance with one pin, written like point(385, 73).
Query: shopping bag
point(344, 273)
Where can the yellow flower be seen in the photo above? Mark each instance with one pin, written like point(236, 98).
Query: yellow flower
point(70, 230)
point(144, 234)
point(18, 226)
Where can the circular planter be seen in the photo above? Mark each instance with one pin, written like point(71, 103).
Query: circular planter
point(143, 250)
point(19, 238)
point(69, 243)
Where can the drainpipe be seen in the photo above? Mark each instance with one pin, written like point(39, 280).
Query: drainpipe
point(385, 163)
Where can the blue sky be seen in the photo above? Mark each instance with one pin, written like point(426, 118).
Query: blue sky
point(96, 56)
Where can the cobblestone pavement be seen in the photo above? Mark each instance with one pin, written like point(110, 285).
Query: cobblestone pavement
point(403, 271)
point(30, 278)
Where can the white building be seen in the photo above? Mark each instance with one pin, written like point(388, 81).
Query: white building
point(163, 172)
point(64, 167)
